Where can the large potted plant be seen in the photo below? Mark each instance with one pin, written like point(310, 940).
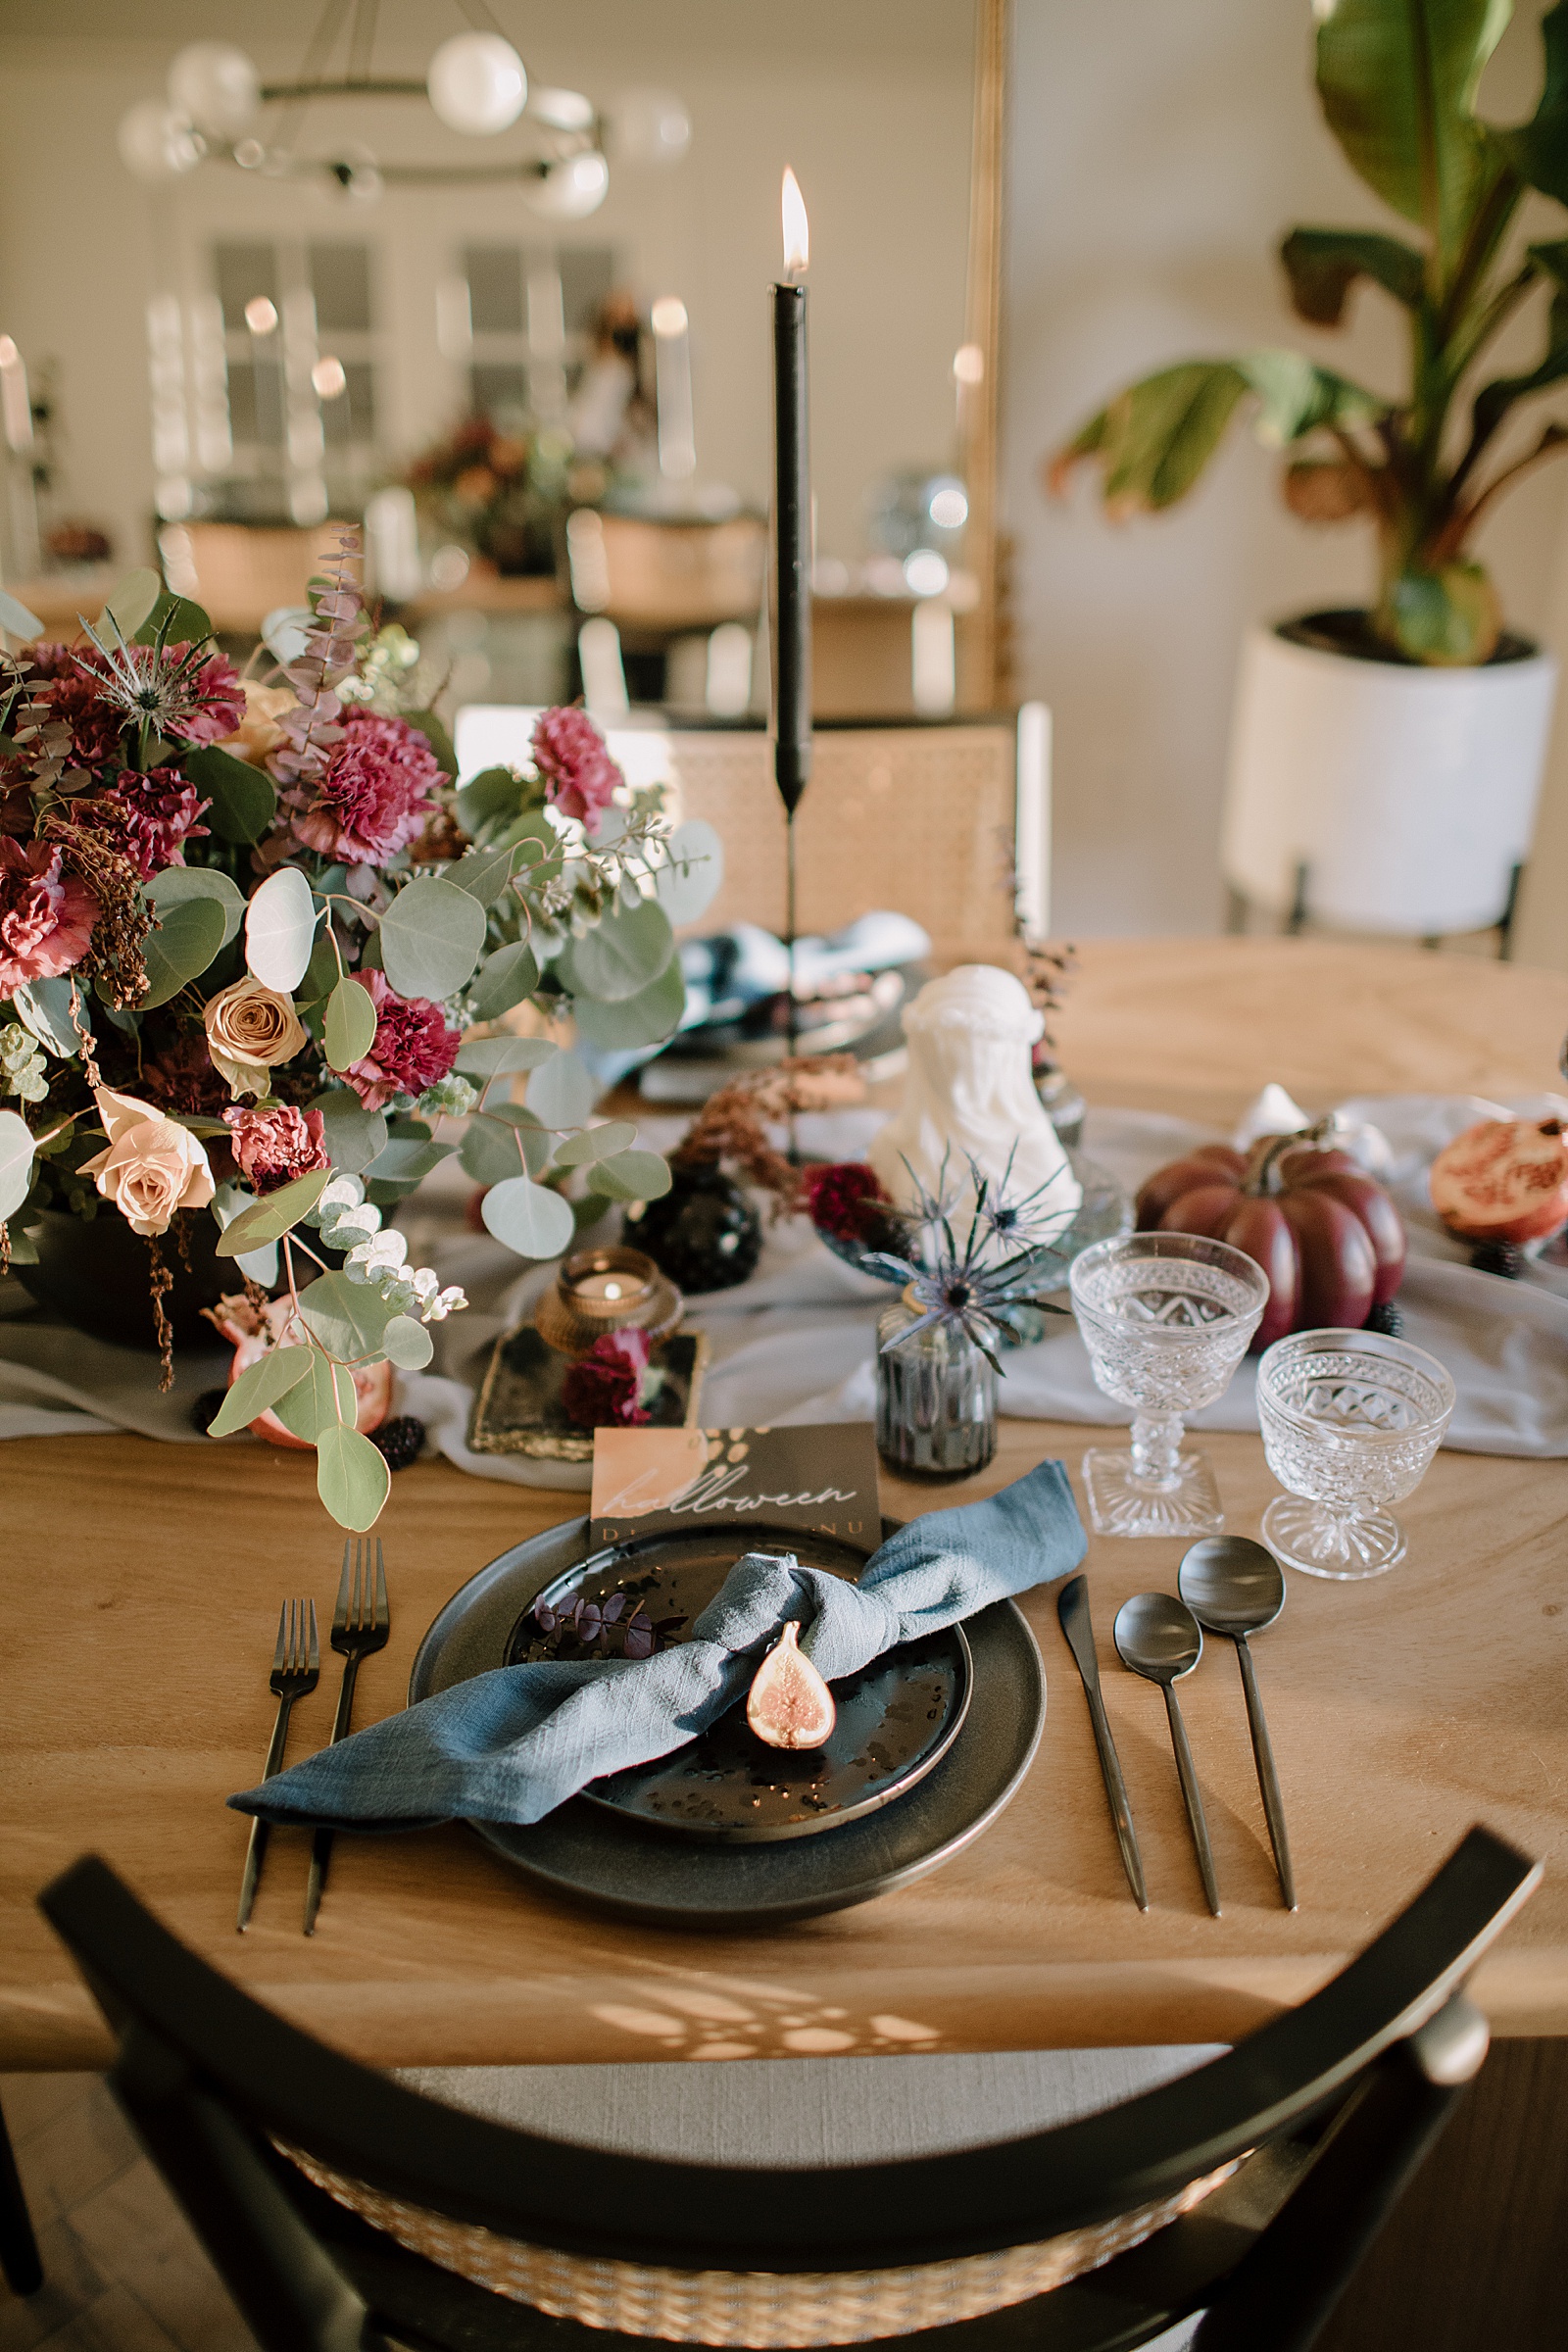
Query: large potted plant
point(1386, 762)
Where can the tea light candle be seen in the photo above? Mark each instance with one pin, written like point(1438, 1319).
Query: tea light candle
point(605, 1290)
point(618, 1289)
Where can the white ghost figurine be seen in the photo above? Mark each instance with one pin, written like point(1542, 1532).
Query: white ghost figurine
point(970, 1095)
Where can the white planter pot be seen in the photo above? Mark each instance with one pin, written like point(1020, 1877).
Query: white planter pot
point(1407, 795)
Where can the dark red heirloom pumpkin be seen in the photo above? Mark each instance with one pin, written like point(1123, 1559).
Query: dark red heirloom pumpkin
point(1326, 1236)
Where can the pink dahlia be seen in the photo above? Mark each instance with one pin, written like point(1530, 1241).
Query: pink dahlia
point(375, 793)
point(581, 778)
point(46, 915)
point(148, 818)
point(217, 699)
point(272, 1147)
point(412, 1049)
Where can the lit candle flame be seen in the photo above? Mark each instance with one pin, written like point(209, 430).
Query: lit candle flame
point(797, 233)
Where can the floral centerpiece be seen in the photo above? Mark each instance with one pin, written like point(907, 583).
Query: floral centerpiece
point(247, 931)
point(502, 493)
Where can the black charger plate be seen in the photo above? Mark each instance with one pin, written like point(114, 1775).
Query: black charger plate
point(591, 1853)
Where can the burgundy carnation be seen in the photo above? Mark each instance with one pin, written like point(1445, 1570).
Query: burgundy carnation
point(217, 699)
point(412, 1049)
point(603, 1388)
point(373, 796)
point(46, 915)
point(148, 818)
point(73, 697)
point(581, 778)
point(845, 1200)
point(273, 1147)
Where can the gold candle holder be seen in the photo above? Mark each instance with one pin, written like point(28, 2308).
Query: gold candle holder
point(598, 1291)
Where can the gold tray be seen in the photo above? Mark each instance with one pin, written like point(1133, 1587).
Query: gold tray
point(519, 1408)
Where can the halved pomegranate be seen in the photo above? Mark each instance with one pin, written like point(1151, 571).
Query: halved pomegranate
point(1503, 1180)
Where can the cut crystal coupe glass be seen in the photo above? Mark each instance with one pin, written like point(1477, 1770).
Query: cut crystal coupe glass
point(1166, 1318)
point(1351, 1422)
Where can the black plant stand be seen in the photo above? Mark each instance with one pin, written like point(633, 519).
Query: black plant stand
point(18, 2248)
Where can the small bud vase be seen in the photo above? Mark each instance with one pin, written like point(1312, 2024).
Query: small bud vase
point(936, 1398)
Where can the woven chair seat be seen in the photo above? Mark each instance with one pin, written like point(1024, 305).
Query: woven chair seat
point(764, 2309)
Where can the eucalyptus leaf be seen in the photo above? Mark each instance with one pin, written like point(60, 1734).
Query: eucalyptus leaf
point(426, 724)
point(504, 979)
point(561, 1091)
point(178, 883)
point(594, 1143)
point(347, 1317)
point(494, 792)
point(404, 1163)
point(640, 1020)
point(630, 1176)
point(351, 1024)
point(622, 955)
point(528, 1217)
point(189, 624)
point(259, 1388)
point(129, 602)
point(689, 881)
point(352, 1477)
point(43, 1006)
point(484, 873)
point(15, 1162)
point(322, 974)
point(319, 1403)
point(278, 1213)
point(354, 1137)
point(496, 1057)
point(241, 801)
point(281, 929)
point(490, 1148)
point(408, 1343)
point(190, 933)
point(16, 621)
point(433, 935)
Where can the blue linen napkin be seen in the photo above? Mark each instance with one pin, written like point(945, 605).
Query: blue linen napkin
point(513, 1744)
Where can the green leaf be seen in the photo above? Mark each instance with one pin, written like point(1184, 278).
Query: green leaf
point(594, 1143)
point(433, 935)
point(504, 979)
point(322, 974)
point(489, 1150)
point(352, 1477)
point(1538, 150)
point(281, 929)
point(1324, 263)
point(189, 935)
point(128, 604)
point(404, 1163)
point(1295, 397)
point(347, 1317)
point(561, 1093)
point(426, 724)
point(1448, 618)
point(528, 1217)
point(408, 1343)
point(544, 855)
point(494, 792)
point(354, 1136)
point(16, 621)
point(485, 873)
point(15, 1162)
point(1397, 80)
point(316, 1403)
point(630, 1176)
point(642, 1020)
point(1493, 400)
point(259, 1388)
point(243, 801)
point(275, 1216)
point(689, 882)
point(178, 883)
point(622, 955)
point(44, 1008)
point(495, 1057)
point(1155, 438)
point(188, 624)
point(351, 1024)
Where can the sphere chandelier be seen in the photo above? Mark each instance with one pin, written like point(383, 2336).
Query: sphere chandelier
point(219, 109)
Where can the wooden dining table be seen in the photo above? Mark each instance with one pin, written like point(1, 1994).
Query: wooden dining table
point(141, 1587)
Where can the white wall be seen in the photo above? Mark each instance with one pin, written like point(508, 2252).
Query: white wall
point(1159, 150)
point(869, 100)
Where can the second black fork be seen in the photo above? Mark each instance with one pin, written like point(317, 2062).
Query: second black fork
point(361, 1624)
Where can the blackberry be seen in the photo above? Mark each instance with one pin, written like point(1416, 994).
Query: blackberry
point(1497, 1257)
point(205, 1411)
point(401, 1440)
point(1386, 1320)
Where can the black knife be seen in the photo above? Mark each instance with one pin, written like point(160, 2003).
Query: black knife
point(1072, 1607)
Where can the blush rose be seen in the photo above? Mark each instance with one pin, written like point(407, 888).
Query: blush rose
point(151, 1165)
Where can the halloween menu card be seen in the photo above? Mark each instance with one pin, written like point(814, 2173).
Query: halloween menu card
point(820, 1478)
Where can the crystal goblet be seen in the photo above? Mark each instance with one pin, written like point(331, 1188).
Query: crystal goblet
point(1166, 1318)
point(1351, 1422)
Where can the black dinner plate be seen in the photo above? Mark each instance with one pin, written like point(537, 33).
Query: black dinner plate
point(895, 1718)
point(593, 1854)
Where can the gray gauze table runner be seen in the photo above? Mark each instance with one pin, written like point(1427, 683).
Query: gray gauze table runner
point(513, 1744)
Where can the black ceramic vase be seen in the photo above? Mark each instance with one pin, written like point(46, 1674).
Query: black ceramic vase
point(703, 1234)
point(96, 1275)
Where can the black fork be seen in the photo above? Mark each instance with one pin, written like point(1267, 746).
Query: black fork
point(361, 1624)
point(296, 1669)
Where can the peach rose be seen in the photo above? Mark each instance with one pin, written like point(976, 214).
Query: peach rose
point(250, 1029)
point(259, 733)
point(151, 1165)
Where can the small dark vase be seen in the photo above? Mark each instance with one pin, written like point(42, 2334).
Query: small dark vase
point(97, 1277)
point(703, 1234)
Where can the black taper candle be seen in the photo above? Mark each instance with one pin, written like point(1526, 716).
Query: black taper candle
point(792, 530)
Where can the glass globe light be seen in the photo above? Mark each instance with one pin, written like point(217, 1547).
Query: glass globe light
point(562, 110)
point(571, 189)
point(215, 85)
point(476, 83)
point(157, 145)
point(651, 127)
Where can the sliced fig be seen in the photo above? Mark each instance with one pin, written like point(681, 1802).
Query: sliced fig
point(789, 1705)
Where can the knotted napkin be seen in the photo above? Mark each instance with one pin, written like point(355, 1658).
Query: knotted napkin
point(513, 1744)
